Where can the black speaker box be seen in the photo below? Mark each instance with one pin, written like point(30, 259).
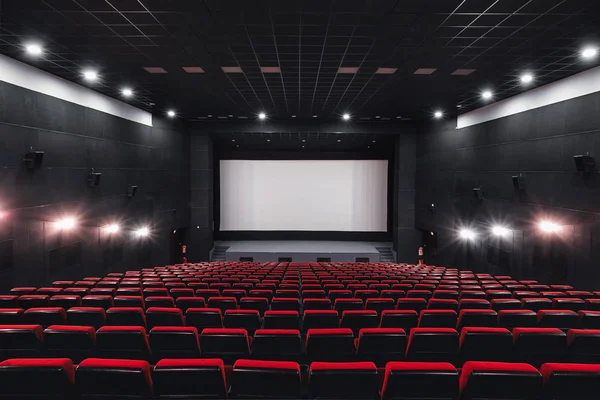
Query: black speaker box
point(33, 159)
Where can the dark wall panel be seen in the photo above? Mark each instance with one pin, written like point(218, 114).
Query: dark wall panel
point(539, 144)
point(76, 139)
point(201, 188)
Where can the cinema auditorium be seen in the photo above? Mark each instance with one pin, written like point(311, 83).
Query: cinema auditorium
point(299, 199)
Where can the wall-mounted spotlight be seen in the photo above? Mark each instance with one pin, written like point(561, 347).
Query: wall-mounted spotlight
point(499, 230)
point(65, 224)
point(467, 234)
point(549, 226)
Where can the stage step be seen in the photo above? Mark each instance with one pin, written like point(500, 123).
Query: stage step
point(386, 254)
point(219, 253)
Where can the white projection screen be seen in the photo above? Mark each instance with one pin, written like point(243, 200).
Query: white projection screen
point(304, 195)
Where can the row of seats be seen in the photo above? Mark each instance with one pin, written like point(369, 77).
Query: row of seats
point(261, 303)
point(251, 320)
point(207, 378)
point(380, 345)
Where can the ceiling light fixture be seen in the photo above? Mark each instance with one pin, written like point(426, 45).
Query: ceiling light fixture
point(112, 228)
point(346, 117)
point(262, 116)
point(90, 75)
point(589, 52)
point(34, 49)
point(171, 113)
point(127, 92)
point(526, 78)
point(438, 114)
point(467, 234)
point(486, 94)
point(499, 230)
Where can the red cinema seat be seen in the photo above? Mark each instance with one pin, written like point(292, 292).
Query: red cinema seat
point(404, 319)
point(330, 345)
point(159, 301)
point(343, 304)
point(161, 316)
point(506, 304)
point(23, 291)
point(249, 320)
point(517, 319)
point(52, 291)
point(9, 301)
point(359, 319)
point(442, 304)
point(227, 344)
point(281, 319)
point(73, 342)
point(45, 316)
point(485, 344)
point(101, 301)
point(432, 345)
point(11, 316)
point(222, 303)
point(86, 316)
point(260, 304)
point(192, 378)
point(202, 318)
point(494, 380)
point(277, 344)
point(33, 301)
point(561, 319)
point(126, 316)
point(589, 319)
point(37, 378)
point(483, 318)
point(65, 301)
point(265, 379)
point(316, 304)
point(124, 342)
point(537, 346)
point(185, 303)
point(112, 378)
point(473, 304)
point(437, 319)
point(20, 341)
point(583, 346)
point(381, 345)
point(536, 304)
point(320, 319)
point(356, 380)
point(174, 342)
point(420, 380)
point(571, 381)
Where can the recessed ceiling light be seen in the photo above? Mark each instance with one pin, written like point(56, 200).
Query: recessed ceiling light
point(398, 117)
point(347, 70)
point(233, 140)
point(346, 117)
point(302, 146)
point(268, 140)
point(270, 70)
point(171, 113)
point(293, 116)
point(232, 70)
point(374, 141)
point(193, 70)
point(230, 115)
point(262, 116)
point(127, 92)
point(90, 75)
point(378, 116)
point(237, 145)
point(486, 94)
point(339, 140)
point(314, 116)
point(438, 114)
point(155, 70)
point(424, 71)
point(459, 106)
point(589, 53)
point(368, 147)
point(209, 115)
point(303, 140)
point(526, 78)
point(463, 71)
point(34, 49)
point(386, 71)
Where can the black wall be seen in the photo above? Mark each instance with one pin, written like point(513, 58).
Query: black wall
point(76, 139)
point(540, 144)
point(202, 183)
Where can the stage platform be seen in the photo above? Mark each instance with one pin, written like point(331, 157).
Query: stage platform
point(303, 250)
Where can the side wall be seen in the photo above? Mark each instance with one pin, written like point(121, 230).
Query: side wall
point(540, 144)
point(202, 189)
point(76, 139)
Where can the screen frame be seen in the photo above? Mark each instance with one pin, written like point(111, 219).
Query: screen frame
point(299, 235)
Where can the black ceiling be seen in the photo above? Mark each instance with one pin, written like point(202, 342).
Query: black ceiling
point(309, 40)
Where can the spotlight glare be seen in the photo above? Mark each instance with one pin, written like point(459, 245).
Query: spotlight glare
point(112, 228)
point(467, 234)
point(127, 92)
point(262, 116)
point(486, 94)
point(346, 117)
point(438, 114)
point(549, 226)
point(589, 53)
point(142, 232)
point(90, 75)
point(66, 224)
point(34, 49)
point(171, 113)
point(526, 78)
point(499, 230)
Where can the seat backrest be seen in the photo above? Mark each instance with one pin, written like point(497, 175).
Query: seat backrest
point(164, 316)
point(589, 319)
point(33, 301)
point(536, 346)
point(412, 380)
point(404, 319)
point(37, 378)
point(437, 319)
point(201, 318)
point(517, 319)
point(473, 304)
point(484, 318)
point(126, 316)
point(571, 381)
point(320, 319)
point(277, 344)
point(245, 319)
point(358, 319)
point(351, 380)
point(114, 378)
point(159, 301)
point(583, 346)
point(432, 345)
point(227, 344)
point(381, 345)
point(11, 316)
point(20, 341)
point(126, 342)
point(415, 304)
point(129, 301)
point(485, 344)
point(174, 342)
point(483, 380)
point(562, 319)
point(271, 379)
point(45, 316)
point(330, 344)
point(194, 378)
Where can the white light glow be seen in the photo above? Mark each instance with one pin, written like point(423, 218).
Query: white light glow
point(526, 78)
point(66, 224)
point(549, 226)
point(144, 231)
point(438, 114)
point(171, 113)
point(467, 234)
point(499, 230)
point(127, 92)
point(34, 49)
point(486, 94)
point(589, 53)
point(262, 116)
point(346, 117)
point(90, 75)
point(112, 228)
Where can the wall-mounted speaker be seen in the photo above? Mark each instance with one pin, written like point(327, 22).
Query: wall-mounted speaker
point(33, 159)
point(478, 193)
point(131, 191)
point(93, 178)
point(584, 163)
point(518, 182)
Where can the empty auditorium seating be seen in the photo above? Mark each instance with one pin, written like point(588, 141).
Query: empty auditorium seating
point(355, 380)
point(537, 346)
point(37, 378)
point(113, 378)
point(73, 342)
